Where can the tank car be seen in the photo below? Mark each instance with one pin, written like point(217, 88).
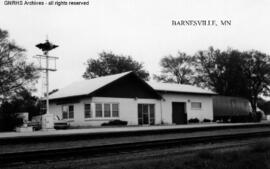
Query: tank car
point(232, 109)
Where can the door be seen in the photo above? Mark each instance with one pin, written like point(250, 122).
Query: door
point(146, 114)
point(179, 115)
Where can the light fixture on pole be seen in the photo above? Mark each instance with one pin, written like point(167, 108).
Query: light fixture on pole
point(47, 119)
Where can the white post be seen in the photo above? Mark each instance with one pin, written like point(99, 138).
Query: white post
point(47, 83)
point(47, 119)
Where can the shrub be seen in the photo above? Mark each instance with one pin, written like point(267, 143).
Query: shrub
point(206, 120)
point(194, 120)
point(115, 123)
point(9, 121)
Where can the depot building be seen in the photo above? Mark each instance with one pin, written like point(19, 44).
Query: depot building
point(126, 97)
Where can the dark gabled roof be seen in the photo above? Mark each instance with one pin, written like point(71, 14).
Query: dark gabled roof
point(91, 86)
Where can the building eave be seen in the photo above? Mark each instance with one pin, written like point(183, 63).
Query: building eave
point(186, 93)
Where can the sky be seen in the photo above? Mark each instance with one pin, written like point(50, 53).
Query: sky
point(139, 28)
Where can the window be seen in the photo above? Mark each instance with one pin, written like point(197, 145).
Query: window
point(71, 112)
point(107, 110)
point(115, 110)
point(65, 112)
point(146, 114)
point(43, 108)
point(140, 114)
point(196, 105)
point(68, 112)
point(87, 111)
point(152, 114)
point(98, 110)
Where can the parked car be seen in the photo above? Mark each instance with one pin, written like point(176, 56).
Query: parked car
point(58, 123)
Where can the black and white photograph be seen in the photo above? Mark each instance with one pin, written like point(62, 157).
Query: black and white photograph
point(133, 84)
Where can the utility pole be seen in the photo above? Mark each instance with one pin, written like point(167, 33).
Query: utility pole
point(47, 119)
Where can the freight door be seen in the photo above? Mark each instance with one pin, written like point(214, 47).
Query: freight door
point(179, 115)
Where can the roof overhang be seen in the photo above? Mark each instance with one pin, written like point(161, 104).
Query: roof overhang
point(186, 93)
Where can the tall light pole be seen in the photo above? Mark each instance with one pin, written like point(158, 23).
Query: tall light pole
point(47, 119)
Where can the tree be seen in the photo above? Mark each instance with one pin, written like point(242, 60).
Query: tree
point(16, 74)
point(109, 63)
point(262, 104)
point(216, 70)
point(234, 73)
point(265, 106)
point(24, 101)
point(21, 102)
point(256, 69)
point(179, 69)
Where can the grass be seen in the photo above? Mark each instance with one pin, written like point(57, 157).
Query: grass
point(255, 157)
point(261, 146)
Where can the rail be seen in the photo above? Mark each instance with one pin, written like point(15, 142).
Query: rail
point(94, 151)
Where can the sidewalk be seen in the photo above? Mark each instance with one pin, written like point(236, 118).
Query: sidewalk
point(96, 130)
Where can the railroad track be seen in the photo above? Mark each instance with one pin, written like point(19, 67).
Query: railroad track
point(115, 149)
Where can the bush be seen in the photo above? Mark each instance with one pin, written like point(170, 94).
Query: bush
point(194, 120)
point(115, 123)
point(206, 120)
point(9, 121)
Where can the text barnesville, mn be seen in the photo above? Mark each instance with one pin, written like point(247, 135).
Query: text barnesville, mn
point(201, 22)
